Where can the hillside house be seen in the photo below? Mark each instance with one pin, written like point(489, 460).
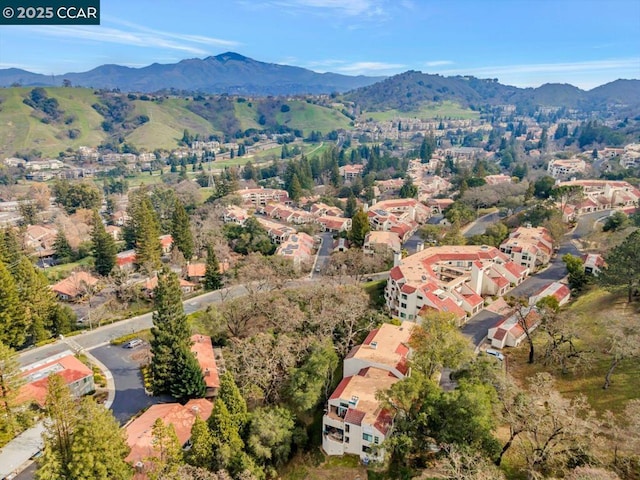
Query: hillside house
point(530, 247)
point(75, 286)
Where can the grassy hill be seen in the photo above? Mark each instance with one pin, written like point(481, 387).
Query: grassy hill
point(22, 127)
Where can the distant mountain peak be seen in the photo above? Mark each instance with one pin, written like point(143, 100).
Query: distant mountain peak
point(228, 56)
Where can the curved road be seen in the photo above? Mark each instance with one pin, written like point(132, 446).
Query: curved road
point(479, 324)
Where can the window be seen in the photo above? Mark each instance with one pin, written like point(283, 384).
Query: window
point(404, 296)
point(376, 440)
point(346, 427)
point(402, 315)
point(366, 449)
point(367, 437)
point(346, 439)
point(420, 297)
point(403, 305)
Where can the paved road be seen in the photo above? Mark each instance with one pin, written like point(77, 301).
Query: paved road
point(322, 258)
point(480, 225)
point(124, 365)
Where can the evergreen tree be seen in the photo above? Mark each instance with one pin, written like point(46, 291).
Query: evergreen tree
point(12, 319)
point(212, 276)
point(171, 333)
point(408, 189)
point(623, 266)
point(427, 148)
point(295, 190)
point(188, 380)
point(201, 452)
point(64, 252)
point(146, 228)
point(168, 451)
point(62, 418)
point(271, 435)
point(226, 439)
point(38, 301)
point(11, 251)
point(99, 446)
point(230, 395)
point(104, 247)
point(359, 228)
point(181, 231)
point(10, 382)
point(351, 207)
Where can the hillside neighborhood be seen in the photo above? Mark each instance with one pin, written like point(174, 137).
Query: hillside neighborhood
point(403, 293)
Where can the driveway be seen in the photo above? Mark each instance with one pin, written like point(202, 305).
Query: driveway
point(324, 252)
point(124, 365)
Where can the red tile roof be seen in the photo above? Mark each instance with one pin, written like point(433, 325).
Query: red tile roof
point(354, 416)
point(75, 284)
point(203, 350)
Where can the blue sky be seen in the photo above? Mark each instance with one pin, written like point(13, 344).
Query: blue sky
point(520, 42)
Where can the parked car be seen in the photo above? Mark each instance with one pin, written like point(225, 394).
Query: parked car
point(495, 353)
point(136, 342)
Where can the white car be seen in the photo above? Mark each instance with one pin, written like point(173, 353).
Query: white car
point(495, 353)
point(136, 342)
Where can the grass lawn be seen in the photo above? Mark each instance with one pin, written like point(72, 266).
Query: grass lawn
point(427, 112)
point(592, 312)
point(54, 274)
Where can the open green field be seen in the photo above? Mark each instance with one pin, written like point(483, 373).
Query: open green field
point(592, 312)
point(427, 112)
point(247, 115)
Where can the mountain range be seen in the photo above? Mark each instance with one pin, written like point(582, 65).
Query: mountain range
point(232, 73)
point(229, 73)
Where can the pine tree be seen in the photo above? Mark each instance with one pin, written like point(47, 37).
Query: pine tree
point(295, 190)
point(11, 251)
point(188, 380)
point(38, 301)
point(99, 446)
point(212, 276)
point(12, 318)
point(145, 228)
point(10, 382)
point(104, 247)
point(64, 252)
point(181, 231)
point(359, 228)
point(226, 439)
point(201, 452)
point(62, 418)
point(230, 395)
point(351, 207)
point(168, 451)
point(170, 332)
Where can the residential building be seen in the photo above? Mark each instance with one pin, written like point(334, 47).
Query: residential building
point(276, 231)
point(510, 332)
point(234, 214)
point(404, 208)
point(351, 172)
point(593, 263)
point(530, 247)
point(126, 260)
point(186, 286)
point(334, 224)
point(202, 348)
point(603, 194)
point(114, 231)
point(355, 421)
point(120, 218)
point(557, 290)
point(166, 242)
point(262, 196)
point(450, 279)
point(140, 430)
point(76, 375)
point(564, 168)
point(74, 286)
point(497, 179)
point(299, 247)
point(379, 239)
point(40, 239)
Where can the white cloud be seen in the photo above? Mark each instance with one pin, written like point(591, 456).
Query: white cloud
point(370, 68)
point(585, 74)
point(135, 35)
point(368, 8)
point(438, 63)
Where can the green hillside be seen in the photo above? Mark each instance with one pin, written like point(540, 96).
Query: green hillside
point(306, 117)
point(23, 128)
point(167, 121)
point(427, 111)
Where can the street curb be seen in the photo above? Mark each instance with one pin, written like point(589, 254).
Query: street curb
point(111, 386)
